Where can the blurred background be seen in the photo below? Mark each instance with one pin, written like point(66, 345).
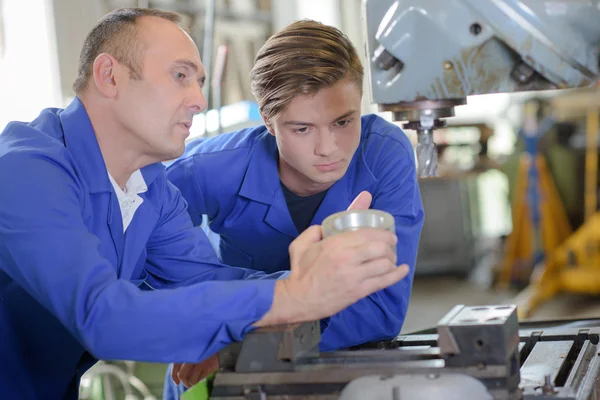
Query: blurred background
point(481, 240)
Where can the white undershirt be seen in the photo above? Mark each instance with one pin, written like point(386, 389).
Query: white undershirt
point(129, 201)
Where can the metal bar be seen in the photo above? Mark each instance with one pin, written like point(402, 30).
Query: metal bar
point(347, 373)
point(370, 356)
point(578, 372)
point(546, 358)
point(591, 164)
point(217, 82)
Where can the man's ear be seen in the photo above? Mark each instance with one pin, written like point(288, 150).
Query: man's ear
point(268, 124)
point(104, 72)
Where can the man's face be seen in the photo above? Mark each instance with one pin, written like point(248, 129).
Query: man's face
point(158, 108)
point(317, 137)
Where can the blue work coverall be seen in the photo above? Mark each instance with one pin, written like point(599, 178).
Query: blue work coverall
point(233, 179)
point(74, 288)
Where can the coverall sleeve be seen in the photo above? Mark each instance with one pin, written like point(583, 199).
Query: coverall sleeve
point(180, 255)
point(380, 315)
point(46, 248)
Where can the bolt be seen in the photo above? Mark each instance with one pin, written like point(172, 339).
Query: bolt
point(475, 29)
point(547, 388)
point(448, 65)
point(522, 73)
point(383, 59)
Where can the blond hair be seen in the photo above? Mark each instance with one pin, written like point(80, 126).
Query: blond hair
point(303, 58)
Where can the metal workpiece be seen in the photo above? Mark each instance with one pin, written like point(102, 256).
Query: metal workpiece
point(352, 220)
point(478, 353)
point(272, 348)
point(482, 336)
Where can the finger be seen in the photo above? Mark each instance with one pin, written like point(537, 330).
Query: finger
point(204, 369)
point(195, 375)
point(362, 201)
point(370, 251)
point(184, 372)
point(310, 236)
point(375, 268)
point(380, 282)
point(360, 237)
point(174, 371)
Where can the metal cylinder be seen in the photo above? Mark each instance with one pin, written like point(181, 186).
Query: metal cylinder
point(353, 220)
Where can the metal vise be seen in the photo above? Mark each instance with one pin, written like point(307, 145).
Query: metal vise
point(477, 353)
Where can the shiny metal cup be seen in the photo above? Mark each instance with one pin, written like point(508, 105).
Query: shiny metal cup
point(353, 220)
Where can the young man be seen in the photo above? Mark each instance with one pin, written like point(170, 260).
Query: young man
point(311, 158)
point(90, 228)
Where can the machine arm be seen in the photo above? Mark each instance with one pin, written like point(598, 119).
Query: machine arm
point(427, 56)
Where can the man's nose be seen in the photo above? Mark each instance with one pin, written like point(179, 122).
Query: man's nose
point(196, 99)
point(327, 143)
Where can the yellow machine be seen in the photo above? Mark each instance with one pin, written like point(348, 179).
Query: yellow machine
point(574, 265)
point(540, 223)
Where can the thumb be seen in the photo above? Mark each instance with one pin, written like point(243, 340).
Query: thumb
point(362, 201)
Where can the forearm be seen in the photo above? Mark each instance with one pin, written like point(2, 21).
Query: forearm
point(124, 323)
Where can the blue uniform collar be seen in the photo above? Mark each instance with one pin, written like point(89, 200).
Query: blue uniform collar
point(261, 181)
point(81, 141)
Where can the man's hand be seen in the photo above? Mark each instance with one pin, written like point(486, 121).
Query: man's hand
point(331, 274)
point(190, 374)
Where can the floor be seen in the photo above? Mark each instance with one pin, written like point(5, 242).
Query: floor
point(434, 296)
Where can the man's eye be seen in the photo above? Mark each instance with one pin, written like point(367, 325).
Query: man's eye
point(179, 76)
point(343, 122)
point(301, 130)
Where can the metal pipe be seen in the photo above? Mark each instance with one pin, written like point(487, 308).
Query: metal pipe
point(207, 46)
point(217, 83)
point(591, 164)
point(207, 49)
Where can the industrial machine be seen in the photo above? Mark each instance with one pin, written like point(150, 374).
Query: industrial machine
point(477, 353)
point(427, 56)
